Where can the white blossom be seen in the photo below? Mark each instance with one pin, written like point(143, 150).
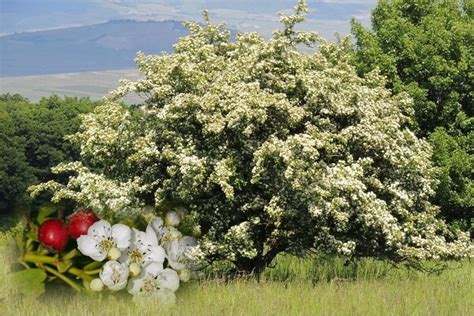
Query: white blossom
point(179, 252)
point(114, 275)
point(153, 280)
point(102, 237)
point(144, 248)
point(173, 218)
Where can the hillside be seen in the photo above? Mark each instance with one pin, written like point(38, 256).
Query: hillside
point(92, 84)
point(105, 46)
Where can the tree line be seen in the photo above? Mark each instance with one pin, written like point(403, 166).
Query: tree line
point(32, 140)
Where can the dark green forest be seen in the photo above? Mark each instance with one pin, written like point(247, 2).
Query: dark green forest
point(32, 141)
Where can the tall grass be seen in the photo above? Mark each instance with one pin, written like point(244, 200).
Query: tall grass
point(336, 269)
point(295, 286)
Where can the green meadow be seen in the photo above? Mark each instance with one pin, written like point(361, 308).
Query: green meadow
point(296, 286)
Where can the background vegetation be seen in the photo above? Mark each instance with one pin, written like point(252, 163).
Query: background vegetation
point(426, 48)
point(32, 141)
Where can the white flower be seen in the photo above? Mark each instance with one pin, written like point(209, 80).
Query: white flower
point(144, 248)
point(153, 280)
point(102, 238)
point(178, 250)
point(158, 227)
point(172, 233)
point(173, 219)
point(114, 275)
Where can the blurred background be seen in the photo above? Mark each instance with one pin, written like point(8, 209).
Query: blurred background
point(83, 47)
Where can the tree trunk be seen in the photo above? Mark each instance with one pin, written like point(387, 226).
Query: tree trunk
point(257, 264)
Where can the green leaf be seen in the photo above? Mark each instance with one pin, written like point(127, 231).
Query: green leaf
point(29, 282)
point(45, 211)
point(93, 266)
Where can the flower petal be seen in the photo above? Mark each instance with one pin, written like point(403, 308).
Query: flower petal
point(114, 275)
point(122, 235)
point(158, 226)
point(173, 218)
point(176, 265)
point(168, 279)
point(88, 246)
point(99, 230)
point(118, 286)
point(134, 236)
point(135, 285)
point(175, 249)
point(152, 269)
point(189, 241)
point(151, 237)
point(124, 258)
point(157, 254)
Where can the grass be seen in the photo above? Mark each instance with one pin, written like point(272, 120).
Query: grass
point(296, 286)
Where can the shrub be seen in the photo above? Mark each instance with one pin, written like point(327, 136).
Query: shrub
point(270, 150)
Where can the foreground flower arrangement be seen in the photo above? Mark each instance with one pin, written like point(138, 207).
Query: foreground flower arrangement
point(147, 264)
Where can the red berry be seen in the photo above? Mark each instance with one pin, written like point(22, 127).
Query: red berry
point(80, 221)
point(53, 234)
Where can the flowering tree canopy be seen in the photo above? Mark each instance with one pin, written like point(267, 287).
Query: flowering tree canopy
point(270, 150)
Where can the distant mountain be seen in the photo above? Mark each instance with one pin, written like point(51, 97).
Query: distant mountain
point(111, 45)
point(328, 16)
point(33, 15)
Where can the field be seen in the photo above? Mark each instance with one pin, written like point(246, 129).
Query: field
point(93, 84)
point(294, 287)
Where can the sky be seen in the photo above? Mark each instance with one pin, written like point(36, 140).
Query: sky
point(326, 16)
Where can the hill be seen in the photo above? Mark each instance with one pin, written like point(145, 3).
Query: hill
point(105, 46)
point(93, 84)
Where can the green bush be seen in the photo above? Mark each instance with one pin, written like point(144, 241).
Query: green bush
point(456, 189)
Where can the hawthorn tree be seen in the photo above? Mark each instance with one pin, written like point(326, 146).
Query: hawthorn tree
point(269, 150)
point(426, 48)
